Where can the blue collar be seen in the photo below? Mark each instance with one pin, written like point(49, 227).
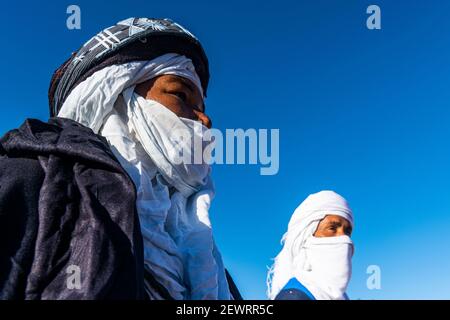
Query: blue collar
point(295, 284)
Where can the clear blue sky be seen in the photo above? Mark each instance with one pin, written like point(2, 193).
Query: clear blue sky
point(365, 113)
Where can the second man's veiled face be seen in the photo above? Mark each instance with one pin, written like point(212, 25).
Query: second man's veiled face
point(178, 94)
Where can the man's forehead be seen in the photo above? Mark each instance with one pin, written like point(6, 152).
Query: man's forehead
point(185, 81)
point(335, 218)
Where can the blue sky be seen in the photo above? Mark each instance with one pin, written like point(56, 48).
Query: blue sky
point(362, 112)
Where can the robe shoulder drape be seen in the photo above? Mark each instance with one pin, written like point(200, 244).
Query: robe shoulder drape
point(68, 222)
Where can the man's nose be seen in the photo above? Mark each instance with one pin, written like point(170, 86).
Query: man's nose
point(204, 119)
point(341, 232)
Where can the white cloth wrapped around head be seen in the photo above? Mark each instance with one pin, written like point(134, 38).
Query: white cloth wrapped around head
point(93, 99)
point(293, 260)
point(179, 249)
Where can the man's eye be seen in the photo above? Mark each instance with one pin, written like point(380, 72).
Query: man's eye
point(181, 95)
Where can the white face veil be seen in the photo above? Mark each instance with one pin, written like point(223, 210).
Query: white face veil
point(179, 249)
point(322, 265)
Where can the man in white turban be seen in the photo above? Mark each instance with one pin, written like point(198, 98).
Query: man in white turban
point(315, 262)
point(110, 187)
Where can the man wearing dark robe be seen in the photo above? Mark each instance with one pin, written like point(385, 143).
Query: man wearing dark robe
point(92, 203)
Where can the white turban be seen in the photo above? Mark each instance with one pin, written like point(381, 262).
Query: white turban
point(93, 99)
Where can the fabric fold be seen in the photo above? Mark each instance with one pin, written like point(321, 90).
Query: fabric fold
point(86, 222)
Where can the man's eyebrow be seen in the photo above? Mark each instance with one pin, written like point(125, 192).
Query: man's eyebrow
point(183, 81)
point(334, 223)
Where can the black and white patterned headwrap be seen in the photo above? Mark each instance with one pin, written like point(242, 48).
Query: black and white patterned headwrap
point(132, 39)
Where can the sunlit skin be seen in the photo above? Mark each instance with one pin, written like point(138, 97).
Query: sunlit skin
point(333, 226)
point(177, 94)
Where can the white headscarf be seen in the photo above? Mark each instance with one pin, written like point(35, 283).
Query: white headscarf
point(179, 249)
point(308, 258)
point(92, 100)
